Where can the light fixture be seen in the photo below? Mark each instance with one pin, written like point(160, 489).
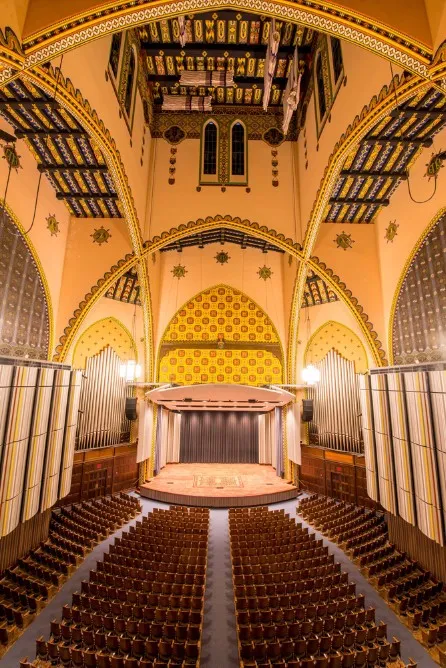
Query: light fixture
point(310, 374)
point(131, 370)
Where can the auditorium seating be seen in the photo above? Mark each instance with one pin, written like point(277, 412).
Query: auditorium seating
point(27, 586)
point(294, 606)
point(143, 604)
point(413, 593)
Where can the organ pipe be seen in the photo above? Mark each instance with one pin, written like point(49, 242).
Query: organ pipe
point(103, 402)
point(336, 405)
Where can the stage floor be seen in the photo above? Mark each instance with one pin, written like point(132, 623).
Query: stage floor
point(218, 485)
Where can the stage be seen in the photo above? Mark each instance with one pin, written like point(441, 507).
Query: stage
point(218, 485)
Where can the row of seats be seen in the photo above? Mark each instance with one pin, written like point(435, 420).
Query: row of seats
point(418, 598)
point(26, 586)
point(322, 624)
point(127, 616)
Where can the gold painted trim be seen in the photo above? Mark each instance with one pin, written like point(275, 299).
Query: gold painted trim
point(118, 322)
point(214, 287)
point(332, 322)
point(331, 18)
point(403, 274)
point(41, 271)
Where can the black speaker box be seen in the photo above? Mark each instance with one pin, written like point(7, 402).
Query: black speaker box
point(130, 408)
point(307, 410)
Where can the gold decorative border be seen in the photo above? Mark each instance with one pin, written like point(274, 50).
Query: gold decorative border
point(40, 269)
point(378, 108)
point(53, 82)
point(331, 322)
point(331, 18)
point(402, 277)
point(213, 287)
point(261, 231)
point(118, 322)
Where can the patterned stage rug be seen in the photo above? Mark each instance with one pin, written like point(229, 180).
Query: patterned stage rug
point(218, 482)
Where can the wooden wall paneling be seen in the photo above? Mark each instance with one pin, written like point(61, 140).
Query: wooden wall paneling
point(25, 537)
point(313, 470)
point(414, 542)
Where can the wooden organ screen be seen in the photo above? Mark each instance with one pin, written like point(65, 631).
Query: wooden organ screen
point(103, 396)
point(38, 415)
point(336, 407)
point(404, 423)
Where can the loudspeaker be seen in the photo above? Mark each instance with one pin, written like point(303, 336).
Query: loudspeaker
point(307, 410)
point(130, 408)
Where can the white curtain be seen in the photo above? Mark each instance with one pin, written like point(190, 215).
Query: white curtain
point(173, 444)
point(264, 442)
point(293, 432)
point(164, 438)
point(271, 434)
point(145, 430)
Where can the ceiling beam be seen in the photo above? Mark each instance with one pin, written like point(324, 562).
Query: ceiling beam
point(67, 134)
point(395, 141)
point(72, 168)
point(235, 50)
point(96, 196)
point(357, 200)
point(28, 104)
point(375, 174)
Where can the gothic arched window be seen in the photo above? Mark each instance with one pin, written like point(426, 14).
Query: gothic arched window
point(336, 57)
point(209, 157)
point(130, 85)
point(115, 53)
point(321, 97)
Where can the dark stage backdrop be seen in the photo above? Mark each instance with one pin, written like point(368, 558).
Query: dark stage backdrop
point(219, 437)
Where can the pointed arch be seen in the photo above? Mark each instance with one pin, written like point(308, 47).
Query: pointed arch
point(220, 335)
point(334, 335)
point(30, 321)
point(419, 295)
point(238, 153)
point(104, 332)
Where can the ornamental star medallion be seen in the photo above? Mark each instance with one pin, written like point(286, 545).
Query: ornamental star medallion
point(391, 231)
point(344, 241)
point(179, 271)
point(265, 272)
point(101, 236)
point(52, 225)
point(222, 257)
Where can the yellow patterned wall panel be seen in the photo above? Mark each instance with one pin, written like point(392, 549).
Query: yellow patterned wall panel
point(335, 335)
point(107, 332)
point(247, 367)
point(224, 312)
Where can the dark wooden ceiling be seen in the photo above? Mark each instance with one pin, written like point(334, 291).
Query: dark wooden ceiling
point(64, 151)
point(221, 236)
point(223, 40)
point(380, 161)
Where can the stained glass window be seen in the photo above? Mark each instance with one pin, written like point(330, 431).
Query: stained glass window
point(115, 52)
point(210, 149)
point(336, 55)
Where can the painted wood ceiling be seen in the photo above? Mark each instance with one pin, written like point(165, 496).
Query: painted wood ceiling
point(223, 41)
point(72, 162)
point(380, 162)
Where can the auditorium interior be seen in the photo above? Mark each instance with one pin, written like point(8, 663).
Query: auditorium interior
point(222, 334)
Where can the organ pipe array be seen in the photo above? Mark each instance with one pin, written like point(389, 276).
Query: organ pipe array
point(404, 426)
point(103, 396)
point(336, 405)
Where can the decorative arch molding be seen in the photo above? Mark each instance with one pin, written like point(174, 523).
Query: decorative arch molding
point(335, 335)
point(53, 83)
point(241, 333)
point(40, 271)
point(378, 108)
point(423, 239)
point(331, 18)
point(115, 334)
point(90, 299)
point(244, 225)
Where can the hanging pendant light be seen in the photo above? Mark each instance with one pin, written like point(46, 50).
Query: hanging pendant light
point(310, 374)
point(131, 370)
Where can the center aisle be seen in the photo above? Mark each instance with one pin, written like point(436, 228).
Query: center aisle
point(219, 642)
